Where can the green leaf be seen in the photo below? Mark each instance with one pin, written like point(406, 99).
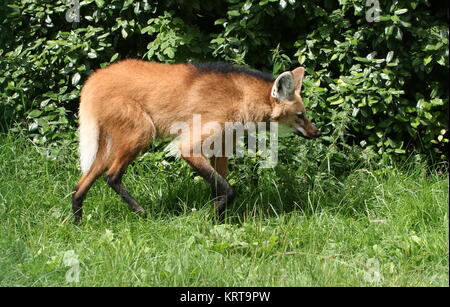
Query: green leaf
point(389, 56)
point(114, 57)
point(169, 52)
point(76, 78)
point(401, 11)
point(147, 29)
point(34, 113)
point(124, 33)
point(389, 30)
point(100, 3)
point(338, 101)
point(220, 21)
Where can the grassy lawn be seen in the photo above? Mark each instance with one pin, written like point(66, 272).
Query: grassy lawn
point(380, 226)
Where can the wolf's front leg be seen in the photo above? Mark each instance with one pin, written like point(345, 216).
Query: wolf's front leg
point(222, 190)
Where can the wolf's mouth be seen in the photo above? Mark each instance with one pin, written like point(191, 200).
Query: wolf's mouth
point(305, 135)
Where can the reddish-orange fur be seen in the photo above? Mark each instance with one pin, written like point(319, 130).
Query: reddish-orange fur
point(134, 101)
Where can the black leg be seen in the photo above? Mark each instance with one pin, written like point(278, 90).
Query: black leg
point(77, 204)
point(115, 183)
point(221, 189)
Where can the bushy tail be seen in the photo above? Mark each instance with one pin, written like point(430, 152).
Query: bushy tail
point(89, 138)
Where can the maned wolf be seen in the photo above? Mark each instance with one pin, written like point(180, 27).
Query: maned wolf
point(127, 104)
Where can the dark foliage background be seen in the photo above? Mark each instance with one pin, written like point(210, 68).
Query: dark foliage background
point(381, 86)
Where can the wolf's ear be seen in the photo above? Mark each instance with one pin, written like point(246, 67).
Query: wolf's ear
point(283, 87)
point(298, 73)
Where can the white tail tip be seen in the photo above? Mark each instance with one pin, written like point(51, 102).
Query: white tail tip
point(89, 134)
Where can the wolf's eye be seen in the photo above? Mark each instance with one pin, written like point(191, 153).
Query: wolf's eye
point(300, 115)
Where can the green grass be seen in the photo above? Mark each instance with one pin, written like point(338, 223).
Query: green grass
point(287, 227)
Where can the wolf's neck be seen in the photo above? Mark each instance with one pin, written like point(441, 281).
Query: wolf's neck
point(256, 105)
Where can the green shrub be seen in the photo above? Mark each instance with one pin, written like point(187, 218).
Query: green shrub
point(390, 77)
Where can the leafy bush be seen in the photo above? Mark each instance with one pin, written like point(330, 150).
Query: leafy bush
point(389, 77)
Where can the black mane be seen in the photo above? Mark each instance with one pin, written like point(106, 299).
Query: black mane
point(225, 68)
